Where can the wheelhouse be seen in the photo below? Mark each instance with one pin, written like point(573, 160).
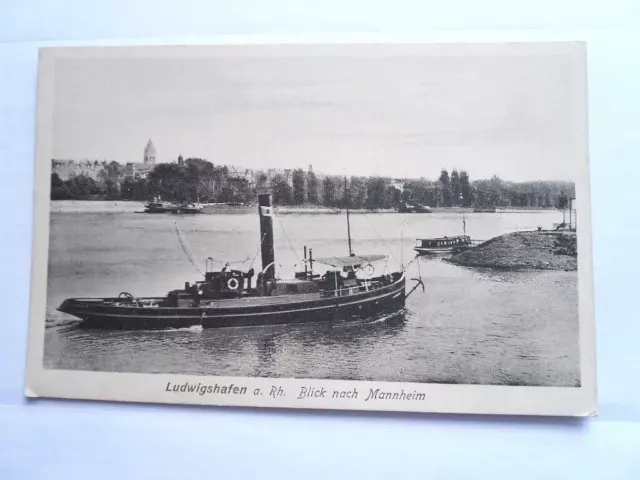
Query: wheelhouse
point(444, 242)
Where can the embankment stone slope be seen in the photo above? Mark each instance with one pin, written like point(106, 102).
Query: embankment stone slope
point(541, 250)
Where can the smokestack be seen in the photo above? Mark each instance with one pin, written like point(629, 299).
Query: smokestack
point(266, 234)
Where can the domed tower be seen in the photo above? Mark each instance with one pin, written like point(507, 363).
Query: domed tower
point(150, 153)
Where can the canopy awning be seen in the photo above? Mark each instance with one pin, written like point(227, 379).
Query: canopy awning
point(350, 261)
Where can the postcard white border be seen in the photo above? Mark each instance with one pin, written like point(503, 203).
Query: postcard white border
point(438, 398)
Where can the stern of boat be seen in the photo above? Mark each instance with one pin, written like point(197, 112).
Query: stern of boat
point(80, 307)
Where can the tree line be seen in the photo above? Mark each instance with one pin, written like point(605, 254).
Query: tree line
point(196, 179)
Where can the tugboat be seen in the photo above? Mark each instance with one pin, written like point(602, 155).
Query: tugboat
point(230, 298)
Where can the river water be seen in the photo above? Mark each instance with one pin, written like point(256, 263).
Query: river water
point(471, 326)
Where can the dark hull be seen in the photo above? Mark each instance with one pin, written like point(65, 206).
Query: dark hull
point(441, 251)
point(98, 313)
point(187, 211)
point(159, 208)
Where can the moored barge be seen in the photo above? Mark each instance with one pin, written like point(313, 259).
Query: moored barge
point(435, 246)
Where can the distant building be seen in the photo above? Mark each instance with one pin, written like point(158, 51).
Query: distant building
point(397, 184)
point(288, 176)
point(142, 170)
point(66, 169)
point(150, 153)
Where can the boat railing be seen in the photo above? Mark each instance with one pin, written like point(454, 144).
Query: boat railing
point(360, 288)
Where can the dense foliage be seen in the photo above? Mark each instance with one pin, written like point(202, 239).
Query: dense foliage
point(195, 179)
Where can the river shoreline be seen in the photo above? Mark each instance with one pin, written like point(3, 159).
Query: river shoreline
point(130, 206)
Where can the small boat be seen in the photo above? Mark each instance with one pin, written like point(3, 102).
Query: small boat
point(189, 208)
point(434, 246)
point(158, 206)
point(405, 207)
point(154, 207)
point(230, 298)
point(421, 209)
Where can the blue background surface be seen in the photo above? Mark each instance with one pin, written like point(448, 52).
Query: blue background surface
point(62, 439)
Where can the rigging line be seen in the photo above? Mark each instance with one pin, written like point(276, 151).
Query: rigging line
point(186, 249)
point(380, 237)
point(258, 250)
point(192, 257)
point(289, 241)
point(241, 261)
point(226, 261)
point(413, 260)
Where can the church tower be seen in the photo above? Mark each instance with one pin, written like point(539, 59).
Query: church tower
point(150, 153)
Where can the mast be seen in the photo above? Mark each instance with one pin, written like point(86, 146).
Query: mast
point(266, 231)
point(464, 221)
point(346, 202)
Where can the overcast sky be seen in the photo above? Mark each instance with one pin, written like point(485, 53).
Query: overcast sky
point(394, 111)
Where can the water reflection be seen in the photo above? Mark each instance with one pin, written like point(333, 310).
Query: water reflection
point(357, 331)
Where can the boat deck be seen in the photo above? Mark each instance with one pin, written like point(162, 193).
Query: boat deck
point(249, 301)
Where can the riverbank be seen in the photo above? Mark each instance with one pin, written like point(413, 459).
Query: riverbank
point(124, 206)
point(316, 210)
point(543, 250)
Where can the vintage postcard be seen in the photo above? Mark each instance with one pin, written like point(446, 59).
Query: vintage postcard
point(401, 227)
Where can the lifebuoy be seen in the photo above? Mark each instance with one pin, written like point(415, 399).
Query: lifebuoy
point(233, 283)
point(368, 269)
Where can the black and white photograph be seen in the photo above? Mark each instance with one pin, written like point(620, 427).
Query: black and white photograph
point(353, 226)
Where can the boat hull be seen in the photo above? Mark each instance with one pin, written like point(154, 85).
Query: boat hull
point(433, 251)
point(188, 211)
point(97, 313)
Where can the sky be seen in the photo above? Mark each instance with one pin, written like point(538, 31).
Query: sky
point(399, 111)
